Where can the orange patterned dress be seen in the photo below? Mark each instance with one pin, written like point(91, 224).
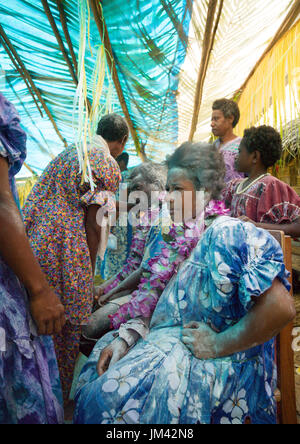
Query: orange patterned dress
point(54, 216)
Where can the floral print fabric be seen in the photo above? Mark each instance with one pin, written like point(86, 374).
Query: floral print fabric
point(54, 215)
point(159, 381)
point(230, 151)
point(30, 391)
point(268, 200)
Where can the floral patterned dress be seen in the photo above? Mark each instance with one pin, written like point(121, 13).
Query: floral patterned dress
point(30, 391)
point(54, 216)
point(268, 200)
point(159, 381)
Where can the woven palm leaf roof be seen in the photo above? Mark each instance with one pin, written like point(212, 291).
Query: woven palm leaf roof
point(169, 60)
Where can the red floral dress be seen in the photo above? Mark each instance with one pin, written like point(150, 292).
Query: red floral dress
point(268, 200)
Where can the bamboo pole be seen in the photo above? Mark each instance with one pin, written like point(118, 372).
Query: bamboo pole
point(41, 147)
point(29, 169)
point(59, 40)
point(208, 41)
point(20, 72)
point(285, 26)
point(64, 24)
point(26, 74)
point(176, 23)
point(101, 25)
point(72, 69)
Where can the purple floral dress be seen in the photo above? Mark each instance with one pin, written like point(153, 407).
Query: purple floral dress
point(30, 391)
point(230, 151)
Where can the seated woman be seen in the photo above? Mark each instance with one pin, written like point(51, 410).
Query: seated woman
point(117, 251)
point(262, 198)
point(208, 355)
point(148, 177)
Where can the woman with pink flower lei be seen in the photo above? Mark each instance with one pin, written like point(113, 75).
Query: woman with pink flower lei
point(205, 351)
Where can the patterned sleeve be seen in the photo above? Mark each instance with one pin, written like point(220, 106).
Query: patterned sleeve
point(107, 175)
point(154, 245)
point(230, 171)
point(228, 192)
point(278, 204)
point(3, 152)
point(245, 260)
point(12, 137)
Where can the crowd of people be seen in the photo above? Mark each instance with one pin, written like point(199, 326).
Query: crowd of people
point(182, 328)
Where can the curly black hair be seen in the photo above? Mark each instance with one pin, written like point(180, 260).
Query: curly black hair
point(203, 163)
point(123, 157)
point(266, 140)
point(229, 108)
point(112, 127)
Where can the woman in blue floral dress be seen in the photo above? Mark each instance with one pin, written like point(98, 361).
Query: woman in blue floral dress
point(208, 355)
point(30, 391)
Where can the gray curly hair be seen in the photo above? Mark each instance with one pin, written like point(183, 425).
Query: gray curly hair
point(203, 165)
point(152, 173)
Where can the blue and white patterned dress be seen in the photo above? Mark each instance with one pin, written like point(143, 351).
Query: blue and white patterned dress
point(159, 381)
point(30, 391)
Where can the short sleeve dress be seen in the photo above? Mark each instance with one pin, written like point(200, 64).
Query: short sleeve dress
point(159, 381)
point(230, 152)
point(268, 200)
point(54, 216)
point(30, 391)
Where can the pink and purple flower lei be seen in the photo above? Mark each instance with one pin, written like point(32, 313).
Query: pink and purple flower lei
point(136, 250)
point(180, 242)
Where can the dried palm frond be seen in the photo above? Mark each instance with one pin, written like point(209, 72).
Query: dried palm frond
point(25, 188)
point(86, 116)
point(272, 95)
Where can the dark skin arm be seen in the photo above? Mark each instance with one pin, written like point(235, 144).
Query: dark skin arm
point(271, 312)
point(125, 287)
point(116, 350)
point(292, 229)
point(15, 249)
point(93, 233)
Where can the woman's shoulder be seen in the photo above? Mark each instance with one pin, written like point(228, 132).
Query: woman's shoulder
point(278, 187)
point(232, 146)
point(270, 180)
point(222, 222)
point(13, 139)
point(236, 240)
point(229, 231)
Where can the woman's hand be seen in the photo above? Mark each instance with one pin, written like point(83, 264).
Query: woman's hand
point(111, 354)
point(99, 291)
point(200, 339)
point(47, 312)
point(105, 298)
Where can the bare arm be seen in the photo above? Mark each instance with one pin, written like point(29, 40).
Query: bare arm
point(16, 251)
point(271, 312)
point(125, 287)
point(292, 229)
point(116, 350)
point(93, 233)
point(289, 229)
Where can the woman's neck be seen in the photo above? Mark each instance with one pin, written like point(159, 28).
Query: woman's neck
point(256, 172)
point(228, 137)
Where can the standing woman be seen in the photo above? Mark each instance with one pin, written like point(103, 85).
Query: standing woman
point(60, 219)
point(30, 390)
point(225, 117)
